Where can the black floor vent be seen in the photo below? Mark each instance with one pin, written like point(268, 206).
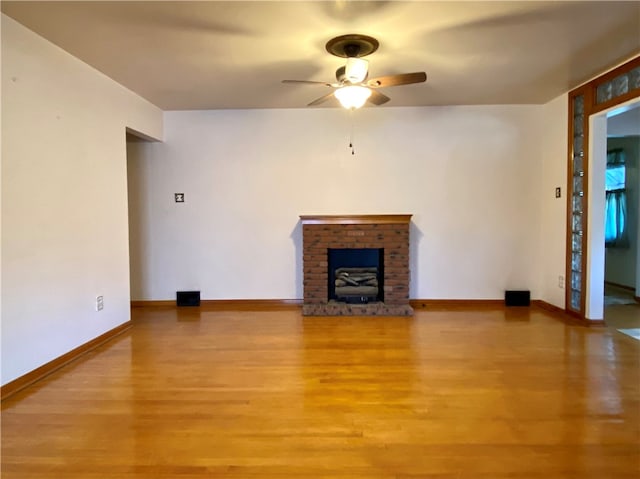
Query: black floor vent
point(188, 298)
point(517, 298)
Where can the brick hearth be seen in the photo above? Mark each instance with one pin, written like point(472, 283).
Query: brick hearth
point(391, 232)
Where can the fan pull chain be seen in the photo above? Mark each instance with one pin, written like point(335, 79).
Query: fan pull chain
point(351, 133)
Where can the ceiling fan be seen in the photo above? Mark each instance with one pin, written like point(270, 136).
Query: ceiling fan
point(353, 88)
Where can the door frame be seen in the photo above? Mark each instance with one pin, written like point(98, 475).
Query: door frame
point(586, 97)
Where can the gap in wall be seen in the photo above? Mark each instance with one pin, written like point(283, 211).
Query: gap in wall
point(600, 124)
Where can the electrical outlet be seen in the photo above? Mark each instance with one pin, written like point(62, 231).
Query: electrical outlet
point(99, 303)
point(179, 197)
point(561, 282)
point(558, 192)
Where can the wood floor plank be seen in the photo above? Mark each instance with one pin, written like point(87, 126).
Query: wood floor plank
point(464, 393)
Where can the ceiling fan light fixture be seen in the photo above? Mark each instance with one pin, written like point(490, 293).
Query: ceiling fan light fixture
point(353, 87)
point(356, 69)
point(352, 96)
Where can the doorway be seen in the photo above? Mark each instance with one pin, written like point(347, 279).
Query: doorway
point(589, 107)
point(613, 266)
point(136, 144)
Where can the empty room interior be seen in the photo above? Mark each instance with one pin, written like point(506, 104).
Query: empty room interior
point(320, 239)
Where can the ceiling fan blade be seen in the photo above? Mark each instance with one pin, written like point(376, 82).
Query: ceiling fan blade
point(396, 80)
point(378, 98)
point(308, 82)
point(322, 99)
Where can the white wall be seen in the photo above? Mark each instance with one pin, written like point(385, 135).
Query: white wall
point(64, 199)
point(553, 139)
point(471, 176)
point(594, 308)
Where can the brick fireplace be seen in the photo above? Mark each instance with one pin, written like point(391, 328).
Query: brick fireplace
point(387, 233)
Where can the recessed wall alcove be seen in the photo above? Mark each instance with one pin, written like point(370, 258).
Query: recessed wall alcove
point(386, 234)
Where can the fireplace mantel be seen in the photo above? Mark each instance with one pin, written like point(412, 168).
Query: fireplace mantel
point(387, 233)
point(354, 219)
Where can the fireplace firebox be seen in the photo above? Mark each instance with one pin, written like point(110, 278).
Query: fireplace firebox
point(356, 275)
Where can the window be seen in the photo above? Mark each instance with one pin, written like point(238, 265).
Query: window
point(616, 201)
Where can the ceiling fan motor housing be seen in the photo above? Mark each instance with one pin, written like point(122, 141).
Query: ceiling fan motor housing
point(356, 70)
point(353, 45)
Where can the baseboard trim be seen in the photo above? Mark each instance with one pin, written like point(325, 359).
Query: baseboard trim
point(252, 304)
point(420, 304)
point(622, 286)
point(153, 304)
point(552, 308)
point(294, 304)
point(229, 304)
point(37, 374)
point(565, 315)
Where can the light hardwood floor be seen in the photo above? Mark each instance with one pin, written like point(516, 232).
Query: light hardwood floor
point(622, 316)
point(479, 394)
point(620, 310)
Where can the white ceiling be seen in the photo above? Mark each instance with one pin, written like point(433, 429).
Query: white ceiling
point(212, 54)
point(626, 122)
